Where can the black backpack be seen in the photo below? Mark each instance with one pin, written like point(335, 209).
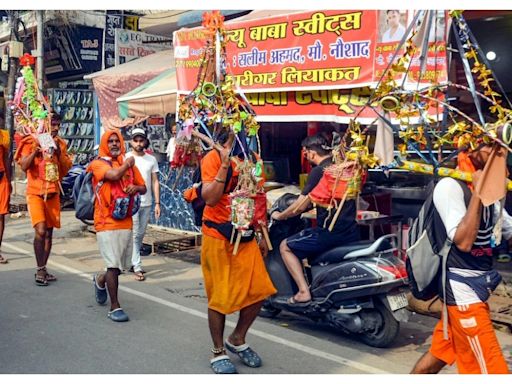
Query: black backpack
point(428, 247)
point(198, 203)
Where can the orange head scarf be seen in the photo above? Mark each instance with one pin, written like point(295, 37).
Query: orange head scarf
point(104, 151)
point(465, 164)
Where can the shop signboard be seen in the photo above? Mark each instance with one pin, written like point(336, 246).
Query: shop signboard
point(315, 64)
point(113, 20)
point(131, 45)
point(70, 51)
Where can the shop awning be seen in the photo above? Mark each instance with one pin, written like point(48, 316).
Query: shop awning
point(155, 97)
point(115, 82)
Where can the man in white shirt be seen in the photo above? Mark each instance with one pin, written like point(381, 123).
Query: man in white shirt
point(148, 167)
point(396, 31)
point(473, 229)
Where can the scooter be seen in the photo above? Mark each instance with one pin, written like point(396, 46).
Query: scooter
point(358, 288)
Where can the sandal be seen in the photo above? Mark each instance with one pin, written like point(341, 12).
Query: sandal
point(3, 260)
point(139, 276)
point(245, 353)
point(40, 280)
point(222, 364)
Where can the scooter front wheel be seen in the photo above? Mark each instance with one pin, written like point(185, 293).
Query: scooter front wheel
point(386, 329)
point(268, 311)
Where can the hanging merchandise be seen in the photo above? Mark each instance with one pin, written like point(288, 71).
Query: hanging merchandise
point(213, 113)
point(77, 126)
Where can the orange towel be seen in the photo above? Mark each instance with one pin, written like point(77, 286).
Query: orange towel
point(493, 184)
point(233, 282)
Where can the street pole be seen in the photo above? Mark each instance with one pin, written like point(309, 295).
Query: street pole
point(40, 49)
point(11, 87)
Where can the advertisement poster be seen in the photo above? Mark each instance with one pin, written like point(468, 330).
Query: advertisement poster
point(316, 64)
point(131, 45)
point(72, 51)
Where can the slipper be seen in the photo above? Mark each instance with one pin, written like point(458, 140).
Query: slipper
point(245, 353)
point(292, 301)
point(118, 315)
point(3, 260)
point(139, 276)
point(99, 293)
point(504, 258)
point(222, 364)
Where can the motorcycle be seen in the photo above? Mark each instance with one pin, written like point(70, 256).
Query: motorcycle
point(68, 182)
point(358, 288)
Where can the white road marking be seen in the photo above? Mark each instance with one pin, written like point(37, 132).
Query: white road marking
point(264, 335)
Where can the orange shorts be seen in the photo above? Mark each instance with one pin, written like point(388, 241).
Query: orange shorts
point(47, 211)
point(5, 195)
point(471, 343)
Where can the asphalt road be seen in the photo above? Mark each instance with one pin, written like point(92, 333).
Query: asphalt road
point(60, 328)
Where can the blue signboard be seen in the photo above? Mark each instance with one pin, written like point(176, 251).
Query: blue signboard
point(70, 51)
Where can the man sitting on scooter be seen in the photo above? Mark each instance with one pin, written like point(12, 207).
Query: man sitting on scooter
point(312, 242)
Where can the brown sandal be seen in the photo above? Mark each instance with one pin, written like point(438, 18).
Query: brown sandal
point(40, 280)
point(50, 277)
point(139, 276)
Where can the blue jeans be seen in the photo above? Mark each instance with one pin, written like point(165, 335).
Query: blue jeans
point(140, 222)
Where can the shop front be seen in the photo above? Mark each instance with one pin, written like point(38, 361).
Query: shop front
point(312, 72)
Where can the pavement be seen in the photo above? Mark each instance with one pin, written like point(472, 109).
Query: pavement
point(60, 328)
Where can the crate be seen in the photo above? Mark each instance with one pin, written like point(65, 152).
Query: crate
point(167, 240)
point(501, 310)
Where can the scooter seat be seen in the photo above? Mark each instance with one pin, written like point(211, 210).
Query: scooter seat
point(337, 254)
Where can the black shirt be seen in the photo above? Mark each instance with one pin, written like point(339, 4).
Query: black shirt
point(347, 219)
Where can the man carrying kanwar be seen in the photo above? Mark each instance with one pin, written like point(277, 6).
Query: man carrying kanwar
point(233, 282)
point(473, 227)
point(45, 169)
point(118, 184)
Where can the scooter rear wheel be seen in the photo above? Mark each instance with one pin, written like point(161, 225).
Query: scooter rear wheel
point(386, 331)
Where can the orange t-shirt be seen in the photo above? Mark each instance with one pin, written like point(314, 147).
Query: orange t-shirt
point(36, 185)
point(102, 219)
point(221, 212)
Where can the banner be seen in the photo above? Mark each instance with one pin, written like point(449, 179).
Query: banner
point(131, 45)
point(316, 65)
point(72, 51)
point(337, 105)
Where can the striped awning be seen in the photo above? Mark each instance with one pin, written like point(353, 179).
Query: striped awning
point(155, 97)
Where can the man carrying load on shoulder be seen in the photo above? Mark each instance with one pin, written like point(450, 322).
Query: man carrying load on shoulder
point(474, 229)
point(45, 170)
point(117, 183)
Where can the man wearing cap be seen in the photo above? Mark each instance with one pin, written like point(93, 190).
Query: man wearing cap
point(45, 169)
point(148, 167)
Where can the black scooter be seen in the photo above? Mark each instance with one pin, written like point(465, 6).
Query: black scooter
point(358, 288)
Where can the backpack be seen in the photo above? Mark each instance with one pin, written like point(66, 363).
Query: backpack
point(122, 205)
point(428, 248)
point(84, 195)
